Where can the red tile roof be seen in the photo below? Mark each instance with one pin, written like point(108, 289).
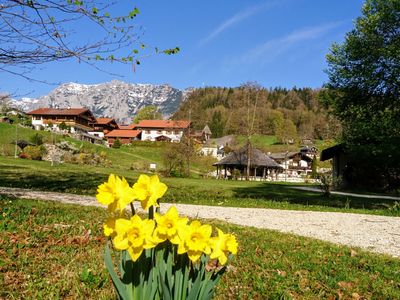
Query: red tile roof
point(123, 133)
point(104, 121)
point(58, 112)
point(127, 127)
point(163, 124)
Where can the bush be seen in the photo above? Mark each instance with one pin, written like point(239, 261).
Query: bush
point(34, 152)
point(117, 143)
point(37, 139)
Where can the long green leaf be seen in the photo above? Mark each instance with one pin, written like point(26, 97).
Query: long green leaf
point(119, 286)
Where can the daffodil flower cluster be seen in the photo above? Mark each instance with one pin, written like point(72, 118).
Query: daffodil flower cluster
point(136, 234)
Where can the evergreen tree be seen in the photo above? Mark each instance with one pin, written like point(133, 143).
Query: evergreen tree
point(117, 143)
point(216, 125)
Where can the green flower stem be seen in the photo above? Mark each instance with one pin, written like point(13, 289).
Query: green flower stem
point(132, 209)
point(151, 212)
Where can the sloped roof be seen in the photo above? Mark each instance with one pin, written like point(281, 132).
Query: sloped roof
point(59, 111)
point(123, 133)
point(163, 124)
point(280, 156)
point(127, 127)
point(283, 155)
point(257, 158)
point(207, 130)
point(330, 152)
point(104, 121)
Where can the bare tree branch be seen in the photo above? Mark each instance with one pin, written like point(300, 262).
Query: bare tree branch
point(34, 32)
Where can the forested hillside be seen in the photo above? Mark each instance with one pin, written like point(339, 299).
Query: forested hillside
point(288, 114)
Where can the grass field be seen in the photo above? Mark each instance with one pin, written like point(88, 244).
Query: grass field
point(52, 251)
point(124, 158)
point(72, 178)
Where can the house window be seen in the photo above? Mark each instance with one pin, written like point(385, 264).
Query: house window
point(159, 131)
point(177, 132)
point(147, 131)
point(168, 132)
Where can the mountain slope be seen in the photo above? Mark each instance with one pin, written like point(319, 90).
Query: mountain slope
point(114, 99)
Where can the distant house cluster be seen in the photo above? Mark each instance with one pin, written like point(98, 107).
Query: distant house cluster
point(82, 122)
point(285, 166)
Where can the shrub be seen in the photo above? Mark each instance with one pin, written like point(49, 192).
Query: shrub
point(34, 152)
point(117, 143)
point(37, 139)
point(23, 156)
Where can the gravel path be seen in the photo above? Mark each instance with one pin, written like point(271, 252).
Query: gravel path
point(375, 233)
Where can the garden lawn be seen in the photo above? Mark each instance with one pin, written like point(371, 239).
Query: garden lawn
point(50, 251)
point(81, 179)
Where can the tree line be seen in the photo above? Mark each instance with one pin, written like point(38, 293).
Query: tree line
point(287, 113)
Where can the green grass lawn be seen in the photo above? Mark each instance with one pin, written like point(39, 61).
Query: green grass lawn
point(71, 178)
point(51, 251)
point(127, 157)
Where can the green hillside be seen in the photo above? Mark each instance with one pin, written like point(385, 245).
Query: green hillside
point(127, 157)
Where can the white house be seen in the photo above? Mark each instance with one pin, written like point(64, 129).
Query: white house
point(163, 130)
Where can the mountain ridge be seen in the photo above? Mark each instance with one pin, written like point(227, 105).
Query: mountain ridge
point(117, 99)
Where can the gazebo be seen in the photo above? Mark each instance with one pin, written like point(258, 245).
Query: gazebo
point(261, 165)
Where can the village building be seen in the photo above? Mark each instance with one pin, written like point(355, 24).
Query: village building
point(201, 136)
point(163, 130)
point(296, 164)
point(234, 165)
point(124, 136)
point(127, 127)
point(341, 164)
point(102, 126)
point(78, 120)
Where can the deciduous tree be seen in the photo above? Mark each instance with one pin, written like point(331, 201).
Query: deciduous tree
point(33, 32)
point(149, 112)
point(364, 92)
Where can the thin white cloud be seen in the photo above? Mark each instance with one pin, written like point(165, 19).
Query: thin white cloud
point(237, 18)
point(272, 48)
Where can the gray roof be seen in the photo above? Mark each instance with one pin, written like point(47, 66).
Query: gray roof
point(283, 155)
point(239, 158)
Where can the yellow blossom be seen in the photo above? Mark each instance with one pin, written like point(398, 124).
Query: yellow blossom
point(149, 190)
point(109, 227)
point(134, 235)
point(222, 245)
point(194, 240)
point(168, 225)
point(116, 193)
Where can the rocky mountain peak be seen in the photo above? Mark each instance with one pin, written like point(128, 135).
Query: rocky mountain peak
point(116, 99)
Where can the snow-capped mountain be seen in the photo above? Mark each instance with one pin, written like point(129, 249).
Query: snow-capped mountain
point(115, 99)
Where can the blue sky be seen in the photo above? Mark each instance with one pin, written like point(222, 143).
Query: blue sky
point(223, 43)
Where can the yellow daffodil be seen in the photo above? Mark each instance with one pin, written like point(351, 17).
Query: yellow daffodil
point(109, 227)
point(134, 235)
point(149, 190)
point(222, 245)
point(168, 225)
point(194, 240)
point(116, 193)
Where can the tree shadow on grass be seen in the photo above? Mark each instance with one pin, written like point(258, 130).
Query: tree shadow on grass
point(286, 193)
point(67, 182)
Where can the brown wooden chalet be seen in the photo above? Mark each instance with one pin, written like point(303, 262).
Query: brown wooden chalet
point(127, 127)
point(78, 119)
point(201, 136)
point(125, 136)
point(261, 165)
point(105, 125)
